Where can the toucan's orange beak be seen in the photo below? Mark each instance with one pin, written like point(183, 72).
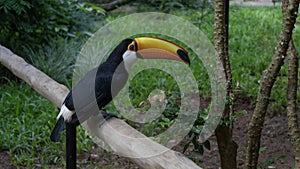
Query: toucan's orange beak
point(156, 48)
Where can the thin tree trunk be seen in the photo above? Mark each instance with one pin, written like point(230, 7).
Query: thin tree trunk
point(266, 84)
point(293, 65)
point(227, 147)
point(293, 61)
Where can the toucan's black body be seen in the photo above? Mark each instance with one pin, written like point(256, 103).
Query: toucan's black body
point(101, 78)
point(98, 87)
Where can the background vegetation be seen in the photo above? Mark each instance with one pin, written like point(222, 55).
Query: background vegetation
point(49, 34)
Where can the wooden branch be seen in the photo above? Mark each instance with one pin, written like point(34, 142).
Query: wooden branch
point(266, 83)
point(130, 143)
point(112, 132)
point(113, 5)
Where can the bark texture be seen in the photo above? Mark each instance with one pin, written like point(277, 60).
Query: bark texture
point(121, 137)
point(266, 83)
point(293, 64)
point(227, 147)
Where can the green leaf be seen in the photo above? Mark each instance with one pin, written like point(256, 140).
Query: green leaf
point(186, 146)
point(96, 8)
point(207, 144)
point(262, 149)
point(38, 31)
point(200, 150)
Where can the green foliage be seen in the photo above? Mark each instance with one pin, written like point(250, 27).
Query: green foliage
point(30, 28)
point(254, 33)
point(58, 63)
point(17, 6)
point(35, 22)
point(194, 134)
point(251, 49)
point(233, 117)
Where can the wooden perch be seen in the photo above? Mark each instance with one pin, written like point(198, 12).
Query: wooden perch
point(112, 132)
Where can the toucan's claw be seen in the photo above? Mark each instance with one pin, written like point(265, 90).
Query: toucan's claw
point(106, 116)
point(109, 116)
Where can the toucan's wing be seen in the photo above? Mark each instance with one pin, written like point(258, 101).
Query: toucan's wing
point(85, 94)
point(83, 98)
point(94, 91)
point(82, 90)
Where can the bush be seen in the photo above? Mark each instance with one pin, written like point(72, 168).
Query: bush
point(56, 59)
point(35, 22)
point(28, 25)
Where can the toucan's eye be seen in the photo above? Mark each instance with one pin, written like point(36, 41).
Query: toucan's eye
point(131, 47)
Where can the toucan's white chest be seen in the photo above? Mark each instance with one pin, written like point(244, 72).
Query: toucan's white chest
point(129, 57)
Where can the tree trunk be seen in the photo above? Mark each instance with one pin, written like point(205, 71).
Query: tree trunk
point(293, 65)
point(227, 147)
point(293, 61)
point(266, 84)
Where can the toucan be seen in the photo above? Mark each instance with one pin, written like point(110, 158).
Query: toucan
point(117, 68)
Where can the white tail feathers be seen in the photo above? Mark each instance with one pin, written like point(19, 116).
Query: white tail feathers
point(65, 113)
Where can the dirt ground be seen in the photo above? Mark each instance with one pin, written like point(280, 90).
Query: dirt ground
point(4, 160)
point(275, 144)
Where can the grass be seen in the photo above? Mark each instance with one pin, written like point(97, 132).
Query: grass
point(57, 63)
point(26, 122)
point(27, 118)
point(253, 37)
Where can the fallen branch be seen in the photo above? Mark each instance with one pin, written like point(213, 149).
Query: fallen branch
point(113, 5)
point(116, 133)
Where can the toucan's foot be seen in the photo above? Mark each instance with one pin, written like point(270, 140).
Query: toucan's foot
point(106, 116)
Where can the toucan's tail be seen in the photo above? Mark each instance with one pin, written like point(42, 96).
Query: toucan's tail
point(56, 132)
